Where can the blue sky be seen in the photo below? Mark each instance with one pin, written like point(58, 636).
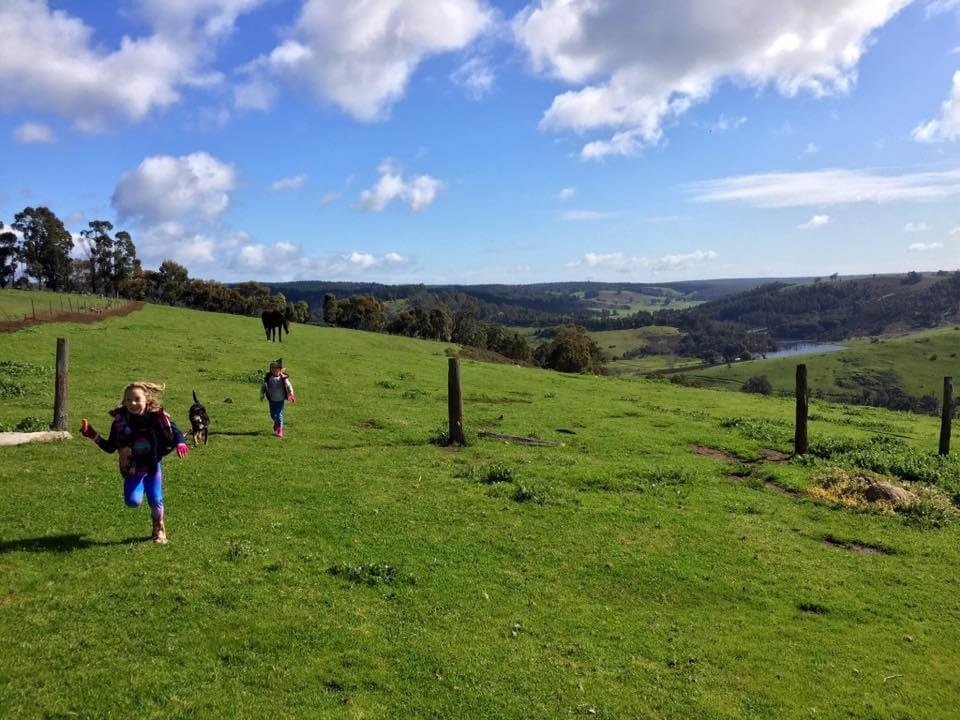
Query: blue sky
point(476, 141)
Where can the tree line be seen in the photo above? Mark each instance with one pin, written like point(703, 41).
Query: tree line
point(40, 255)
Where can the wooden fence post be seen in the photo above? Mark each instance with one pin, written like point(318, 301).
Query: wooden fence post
point(946, 417)
point(800, 434)
point(33, 309)
point(455, 402)
point(60, 397)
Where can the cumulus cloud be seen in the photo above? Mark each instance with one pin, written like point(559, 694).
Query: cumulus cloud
point(52, 61)
point(288, 183)
point(637, 65)
point(923, 247)
point(417, 192)
point(585, 215)
point(816, 222)
point(623, 263)
point(30, 133)
point(935, 7)
point(811, 149)
point(360, 55)
point(352, 264)
point(947, 126)
point(474, 76)
point(329, 197)
point(912, 227)
point(260, 257)
point(566, 194)
point(827, 187)
point(165, 188)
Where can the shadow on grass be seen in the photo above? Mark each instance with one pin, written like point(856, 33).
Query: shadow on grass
point(250, 433)
point(62, 543)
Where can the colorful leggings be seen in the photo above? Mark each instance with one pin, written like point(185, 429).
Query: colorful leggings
point(149, 480)
point(276, 412)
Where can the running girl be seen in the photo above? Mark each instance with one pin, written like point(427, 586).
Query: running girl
point(141, 433)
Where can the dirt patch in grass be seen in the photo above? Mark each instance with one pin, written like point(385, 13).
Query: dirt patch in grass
point(773, 455)
point(714, 453)
point(857, 547)
point(72, 317)
point(518, 440)
point(369, 425)
point(487, 400)
point(778, 488)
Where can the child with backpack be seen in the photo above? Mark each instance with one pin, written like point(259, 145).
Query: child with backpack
point(142, 434)
point(276, 389)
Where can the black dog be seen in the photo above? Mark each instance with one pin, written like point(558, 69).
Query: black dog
point(199, 421)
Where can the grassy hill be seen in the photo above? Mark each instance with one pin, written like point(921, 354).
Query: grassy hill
point(354, 569)
point(917, 362)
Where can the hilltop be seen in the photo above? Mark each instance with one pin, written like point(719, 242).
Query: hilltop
point(660, 560)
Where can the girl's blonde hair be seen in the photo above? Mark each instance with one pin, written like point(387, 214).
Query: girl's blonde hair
point(151, 390)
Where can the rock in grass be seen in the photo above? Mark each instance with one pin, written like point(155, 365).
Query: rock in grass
point(880, 491)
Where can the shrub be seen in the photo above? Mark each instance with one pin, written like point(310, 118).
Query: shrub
point(758, 384)
point(570, 350)
point(31, 424)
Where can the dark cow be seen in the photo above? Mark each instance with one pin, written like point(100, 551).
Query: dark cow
point(274, 321)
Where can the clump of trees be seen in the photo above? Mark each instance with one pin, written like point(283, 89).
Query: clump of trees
point(41, 254)
point(572, 350)
point(758, 384)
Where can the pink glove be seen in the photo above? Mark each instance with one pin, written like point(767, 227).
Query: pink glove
point(86, 429)
point(182, 450)
point(291, 399)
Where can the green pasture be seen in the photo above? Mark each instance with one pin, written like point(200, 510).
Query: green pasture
point(617, 342)
point(354, 569)
point(917, 363)
point(15, 304)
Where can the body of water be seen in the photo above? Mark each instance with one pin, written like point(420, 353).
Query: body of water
point(793, 348)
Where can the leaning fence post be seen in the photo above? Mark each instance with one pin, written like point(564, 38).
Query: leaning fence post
point(455, 402)
point(945, 418)
point(800, 434)
point(60, 397)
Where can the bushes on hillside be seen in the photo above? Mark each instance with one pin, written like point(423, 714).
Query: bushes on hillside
point(571, 350)
point(758, 384)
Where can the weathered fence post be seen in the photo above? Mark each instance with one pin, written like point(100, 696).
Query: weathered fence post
point(33, 309)
point(455, 402)
point(60, 397)
point(800, 434)
point(946, 417)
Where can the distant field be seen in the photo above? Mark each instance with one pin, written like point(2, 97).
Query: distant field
point(918, 362)
point(355, 570)
point(628, 302)
point(14, 304)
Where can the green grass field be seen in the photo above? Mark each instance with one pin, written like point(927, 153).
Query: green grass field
point(628, 302)
point(353, 569)
point(917, 363)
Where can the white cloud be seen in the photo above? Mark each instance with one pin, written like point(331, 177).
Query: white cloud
point(474, 76)
point(166, 188)
point(623, 263)
point(816, 222)
point(947, 126)
point(329, 197)
point(637, 65)
point(935, 7)
point(827, 187)
point(52, 60)
point(262, 257)
point(955, 233)
point(724, 123)
point(923, 247)
point(417, 192)
point(288, 183)
point(29, 133)
point(811, 149)
point(580, 215)
point(351, 264)
point(912, 227)
point(360, 55)
point(566, 194)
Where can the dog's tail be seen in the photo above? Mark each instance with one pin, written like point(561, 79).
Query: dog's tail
point(195, 397)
